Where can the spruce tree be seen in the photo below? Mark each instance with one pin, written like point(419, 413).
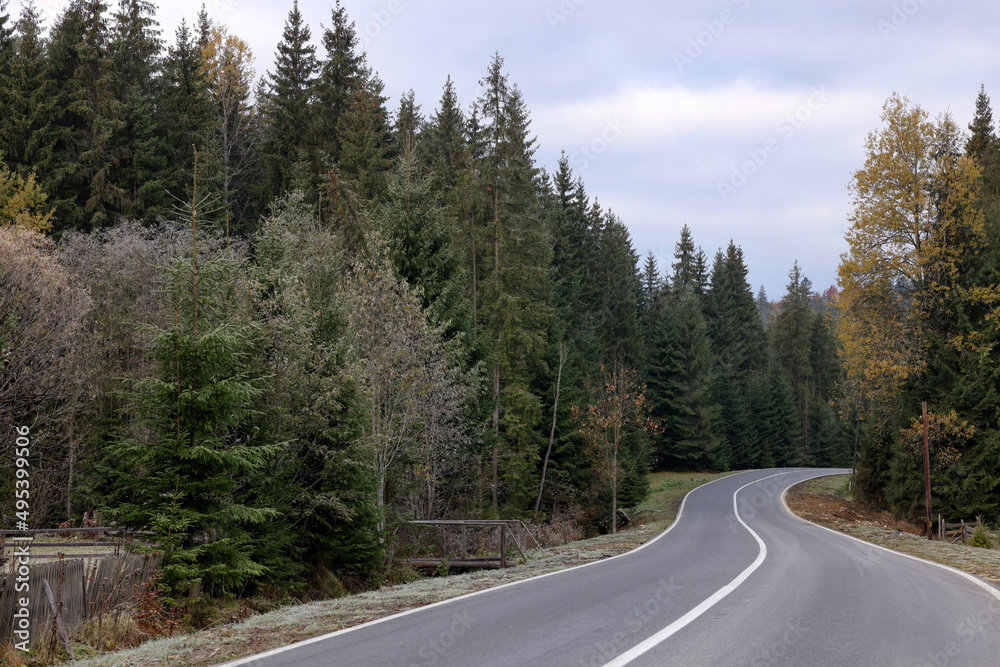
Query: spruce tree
point(792, 335)
point(982, 145)
point(365, 158)
point(408, 123)
point(290, 94)
point(182, 472)
point(422, 246)
point(340, 80)
point(678, 376)
point(443, 143)
point(135, 49)
point(99, 113)
point(26, 137)
point(185, 111)
point(514, 293)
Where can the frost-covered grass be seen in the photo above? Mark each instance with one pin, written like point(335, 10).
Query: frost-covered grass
point(296, 623)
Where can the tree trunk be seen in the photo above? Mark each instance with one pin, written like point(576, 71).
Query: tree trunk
point(552, 433)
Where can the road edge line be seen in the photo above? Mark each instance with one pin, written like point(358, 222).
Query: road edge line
point(250, 659)
point(990, 588)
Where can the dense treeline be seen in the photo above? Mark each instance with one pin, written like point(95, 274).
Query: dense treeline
point(268, 320)
point(920, 292)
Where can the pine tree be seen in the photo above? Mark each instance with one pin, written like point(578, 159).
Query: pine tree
point(290, 93)
point(687, 274)
point(619, 285)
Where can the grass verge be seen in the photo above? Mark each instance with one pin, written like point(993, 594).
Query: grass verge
point(300, 622)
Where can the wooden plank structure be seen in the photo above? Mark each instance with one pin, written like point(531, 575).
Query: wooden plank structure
point(954, 532)
point(71, 587)
point(513, 532)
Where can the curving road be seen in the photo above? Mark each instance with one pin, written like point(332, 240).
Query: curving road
point(736, 580)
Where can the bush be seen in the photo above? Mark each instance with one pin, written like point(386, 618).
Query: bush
point(981, 538)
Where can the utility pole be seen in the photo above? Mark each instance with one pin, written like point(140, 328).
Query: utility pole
point(927, 473)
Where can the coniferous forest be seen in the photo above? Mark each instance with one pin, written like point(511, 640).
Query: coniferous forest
point(271, 318)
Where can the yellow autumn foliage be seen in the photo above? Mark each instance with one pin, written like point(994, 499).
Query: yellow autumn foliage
point(22, 201)
point(913, 219)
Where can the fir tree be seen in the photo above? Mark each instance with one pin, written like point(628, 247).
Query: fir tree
point(365, 141)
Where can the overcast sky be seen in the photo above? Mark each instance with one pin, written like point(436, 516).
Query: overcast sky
point(742, 118)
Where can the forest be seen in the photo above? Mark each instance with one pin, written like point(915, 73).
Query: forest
point(269, 319)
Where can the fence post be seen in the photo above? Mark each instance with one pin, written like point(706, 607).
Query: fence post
point(56, 615)
point(503, 545)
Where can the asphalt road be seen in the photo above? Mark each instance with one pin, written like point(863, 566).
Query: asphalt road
point(737, 580)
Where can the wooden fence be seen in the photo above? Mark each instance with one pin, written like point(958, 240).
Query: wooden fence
point(83, 585)
point(955, 532)
point(453, 542)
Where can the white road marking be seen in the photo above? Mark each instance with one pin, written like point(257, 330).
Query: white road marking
point(709, 602)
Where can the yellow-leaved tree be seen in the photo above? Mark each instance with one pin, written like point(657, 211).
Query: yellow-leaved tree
point(914, 218)
point(22, 201)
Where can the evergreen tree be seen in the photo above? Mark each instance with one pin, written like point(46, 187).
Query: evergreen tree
point(651, 283)
point(422, 246)
point(135, 55)
point(339, 83)
point(181, 474)
point(185, 111)
point(289, 98)
point(514, 291)
point(734, 326)
point(792, 335)
point(443, 143)
point(689, 267)
point(764, 307)
point(679, 377)
point(619, 285)
point(408, 123)
point(365, 141)
point(982, 145)
point(26, 137)
point(96, 120)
